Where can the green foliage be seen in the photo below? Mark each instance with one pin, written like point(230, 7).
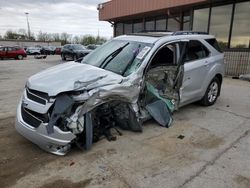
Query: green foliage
point(64, 37)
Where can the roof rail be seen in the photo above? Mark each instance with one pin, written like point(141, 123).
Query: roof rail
point(190, 33)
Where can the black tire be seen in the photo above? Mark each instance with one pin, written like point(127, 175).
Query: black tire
point(63, 57)
point(74, 57)
point(19, 57)
point(212, 93)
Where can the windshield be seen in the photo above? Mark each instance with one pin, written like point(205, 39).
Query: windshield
point(79, 47)
point(119, 56)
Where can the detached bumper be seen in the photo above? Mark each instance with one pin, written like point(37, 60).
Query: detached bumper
point(57, 143)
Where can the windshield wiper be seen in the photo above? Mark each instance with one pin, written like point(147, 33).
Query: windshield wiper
point(112, 55)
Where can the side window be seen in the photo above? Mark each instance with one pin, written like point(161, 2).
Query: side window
point(1, 49)
point(166, 56)
point(195, 50)
point(213, 42)
point(11, 49)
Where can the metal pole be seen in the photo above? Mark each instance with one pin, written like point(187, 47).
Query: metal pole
point(26, 13)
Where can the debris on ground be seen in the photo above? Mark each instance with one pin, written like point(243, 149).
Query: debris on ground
point(245, 77)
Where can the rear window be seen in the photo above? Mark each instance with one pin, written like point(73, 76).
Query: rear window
point(213, 42)
point(17, 48)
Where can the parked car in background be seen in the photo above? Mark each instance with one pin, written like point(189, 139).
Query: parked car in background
point(92, 46)
point(58, 50)
point(74, 51)
point(33, 51)
point(48, 50)
point(15, 52)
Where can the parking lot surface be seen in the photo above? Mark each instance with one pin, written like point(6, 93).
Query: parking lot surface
point(205, 146)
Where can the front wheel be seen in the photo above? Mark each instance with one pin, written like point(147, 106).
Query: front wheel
point(20, 57)
point(212, 93)
point(74, 57)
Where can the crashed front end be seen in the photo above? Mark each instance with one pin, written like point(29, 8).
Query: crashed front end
point(78, 103)
point(54, 121)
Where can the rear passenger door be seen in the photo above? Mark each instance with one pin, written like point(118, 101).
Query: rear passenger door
point(2, 52)
point(196, 66)
point(11, 52)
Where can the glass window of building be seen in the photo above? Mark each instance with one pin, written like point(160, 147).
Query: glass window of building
point(150, 25)
point(119, 29)
point(200, 20)
point(173, 24)
point(161, 23)
point(220, 24)
point(138, 26)
point(128, 28)
point(241, 26)
point(186, 23)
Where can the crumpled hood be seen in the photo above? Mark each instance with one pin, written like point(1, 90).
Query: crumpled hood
point(70, 76)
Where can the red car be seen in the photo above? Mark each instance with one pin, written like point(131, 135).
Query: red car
point(12, 52)
point(58, 50)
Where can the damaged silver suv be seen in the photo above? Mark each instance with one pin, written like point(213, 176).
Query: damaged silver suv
point(123, 83)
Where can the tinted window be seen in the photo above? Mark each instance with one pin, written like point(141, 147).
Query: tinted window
point(220, 24)
point(118, 29)
point(241, 26)
point(138, 26)
point(161, 24)
point(186, 21)
point(173, 24)
point(128, 28)
point(200, 20)
point(195, 50)
point(150, 25)
point(214, 43)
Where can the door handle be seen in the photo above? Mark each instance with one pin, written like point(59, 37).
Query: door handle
point(206, 64)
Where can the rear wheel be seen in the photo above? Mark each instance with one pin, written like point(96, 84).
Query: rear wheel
point(20, 57)
point(212, 93)
point(63, 57)
point(74, 57)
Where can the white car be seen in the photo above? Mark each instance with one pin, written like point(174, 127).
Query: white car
point(123, 83)
point(33, 51)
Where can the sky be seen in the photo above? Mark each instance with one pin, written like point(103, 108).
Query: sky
point(76, 17)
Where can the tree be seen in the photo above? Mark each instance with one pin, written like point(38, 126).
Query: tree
point(44, 36)
point(56, 37)
point(65, 38)
point(76, 40)
point(9, 35)
point(22, 32)
point(88, 39)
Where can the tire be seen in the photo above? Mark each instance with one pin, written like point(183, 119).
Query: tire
point(212, 93)
point(74, 57)
point(19, 57)
point(63, 57)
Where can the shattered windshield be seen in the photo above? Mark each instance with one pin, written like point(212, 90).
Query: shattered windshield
point(118, 56)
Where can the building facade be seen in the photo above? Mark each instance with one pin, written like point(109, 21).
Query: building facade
point(228, 20)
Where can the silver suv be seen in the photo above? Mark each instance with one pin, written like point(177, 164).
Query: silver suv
point(123, 83)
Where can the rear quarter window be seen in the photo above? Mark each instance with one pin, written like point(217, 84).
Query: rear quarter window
point(213, 42)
